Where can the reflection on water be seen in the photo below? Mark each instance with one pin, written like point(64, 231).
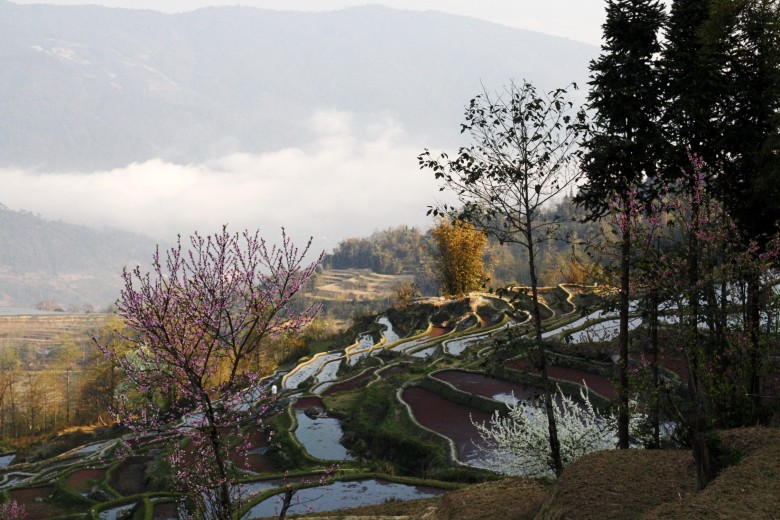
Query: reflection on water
point(456, 347)
point(304, 371)
point(389, 334)
point(321, 436)
point(113, 513)
point(6, 460)
point(342, 495)
point(329, 371)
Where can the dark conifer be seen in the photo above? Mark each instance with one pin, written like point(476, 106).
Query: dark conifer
point(693, 84)
point(625, 143)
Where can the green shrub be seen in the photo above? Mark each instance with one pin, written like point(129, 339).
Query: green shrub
point(373, 432)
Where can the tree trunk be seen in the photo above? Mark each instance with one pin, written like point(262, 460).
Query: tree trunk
point(225, 511)
point(698, 383)
point(552, 427)
point(656, 379)
point(625, 273)
point(288, 495)
point(702, 457)
point(754, 331)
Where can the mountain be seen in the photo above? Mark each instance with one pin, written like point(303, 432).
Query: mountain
point(41, 260)
point(87, 87)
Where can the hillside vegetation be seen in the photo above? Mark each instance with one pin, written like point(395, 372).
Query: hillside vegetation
point(74, 266)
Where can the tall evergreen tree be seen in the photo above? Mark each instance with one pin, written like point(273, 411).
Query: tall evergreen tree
point(749, 185)
point(692, 83)
point(725, 108)
point(720, 71)
point(625, 141)
point(750, 182)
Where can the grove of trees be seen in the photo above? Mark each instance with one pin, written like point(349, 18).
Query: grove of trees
point(679, 165)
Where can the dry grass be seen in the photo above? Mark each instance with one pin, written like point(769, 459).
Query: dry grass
point(749, 489)
point(510, 499)
point(355, 284)
point(619, 484)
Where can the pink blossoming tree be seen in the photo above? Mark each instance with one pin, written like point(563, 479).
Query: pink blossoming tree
point(193, 323)
point(12, 511)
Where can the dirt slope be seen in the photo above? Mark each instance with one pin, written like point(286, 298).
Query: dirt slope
point(749, 489)
point(620, 484)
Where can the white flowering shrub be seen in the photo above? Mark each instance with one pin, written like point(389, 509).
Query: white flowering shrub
point(518, 443)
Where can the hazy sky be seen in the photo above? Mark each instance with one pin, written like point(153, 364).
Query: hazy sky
point(349, 180)
point(576, 19)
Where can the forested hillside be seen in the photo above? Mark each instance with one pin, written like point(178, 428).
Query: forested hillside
point(72, 265)
point(411, 251)
point(121, 88)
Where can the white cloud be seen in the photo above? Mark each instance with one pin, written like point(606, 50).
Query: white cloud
point(350, 180)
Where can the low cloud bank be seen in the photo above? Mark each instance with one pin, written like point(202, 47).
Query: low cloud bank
point(348, 181)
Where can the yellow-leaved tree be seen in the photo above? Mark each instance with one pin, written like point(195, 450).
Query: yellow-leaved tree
point(459, 263)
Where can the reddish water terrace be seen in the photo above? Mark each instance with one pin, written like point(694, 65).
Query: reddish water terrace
point(599, 384)
point(81, 481)
point(351, 384)
point(38, 503)
point(485, 386)
point(448, 419)
point(437, 331)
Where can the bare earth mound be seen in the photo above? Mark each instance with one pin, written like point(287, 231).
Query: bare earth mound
point(749, 489)
point(620, 484)
point(511, 499)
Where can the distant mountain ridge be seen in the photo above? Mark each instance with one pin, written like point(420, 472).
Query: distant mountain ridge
point(87, 87)
point(42, 260)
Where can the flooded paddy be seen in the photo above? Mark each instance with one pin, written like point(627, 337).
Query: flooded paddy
point(83, 480)
point(342, 495)
point(598, 315)
point(485, 386)
point(39, 502)
point(451, 420)
point(319, 434)
point(389, 334)
point(7, 460)
point(601, 331)
point(129, 476)
point(165, 511)
point(329, 371)
point(306, 370)
point(597, 383)
point(362, 349)
point(351, 384)
point(115, 512)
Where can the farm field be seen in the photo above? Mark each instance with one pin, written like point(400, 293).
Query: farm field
point(347, 285)
point(47, 331)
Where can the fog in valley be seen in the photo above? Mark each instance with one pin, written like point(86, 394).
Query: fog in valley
point(350, 178)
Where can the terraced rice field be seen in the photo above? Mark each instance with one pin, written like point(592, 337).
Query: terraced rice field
point(344, 285)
